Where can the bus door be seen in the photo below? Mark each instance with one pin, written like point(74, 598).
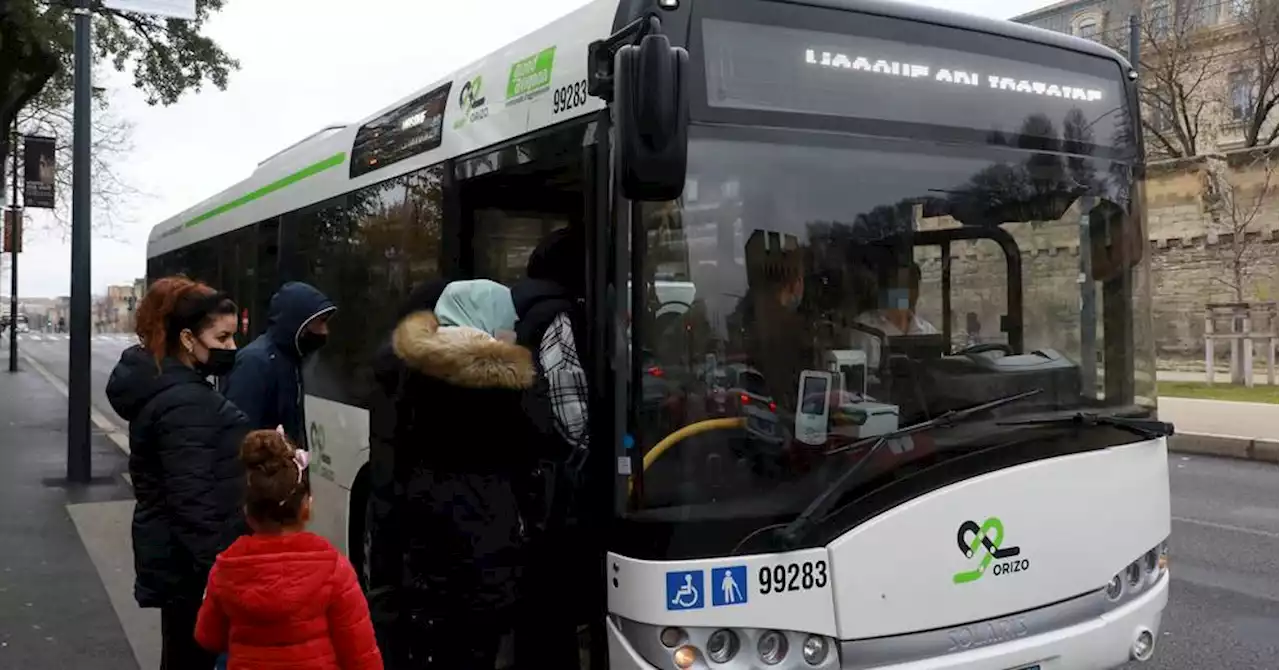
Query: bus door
point(511, 197)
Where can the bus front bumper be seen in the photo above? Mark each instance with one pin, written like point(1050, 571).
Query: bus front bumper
point(1103, 641)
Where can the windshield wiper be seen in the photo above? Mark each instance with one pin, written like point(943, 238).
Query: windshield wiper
point(790, 534)
point(1146, 428)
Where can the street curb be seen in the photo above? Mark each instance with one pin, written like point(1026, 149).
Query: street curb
point(104, 424)
point(1243, 448)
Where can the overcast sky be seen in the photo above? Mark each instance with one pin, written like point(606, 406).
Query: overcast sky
point(305, 64)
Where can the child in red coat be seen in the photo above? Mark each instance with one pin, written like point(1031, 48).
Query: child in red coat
point(284, 598)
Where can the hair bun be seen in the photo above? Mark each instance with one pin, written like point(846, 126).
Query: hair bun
point(267, 451)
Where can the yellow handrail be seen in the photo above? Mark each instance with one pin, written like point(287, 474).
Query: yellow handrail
point(688, 431)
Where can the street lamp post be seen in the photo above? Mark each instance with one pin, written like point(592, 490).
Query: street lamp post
point(79, 453)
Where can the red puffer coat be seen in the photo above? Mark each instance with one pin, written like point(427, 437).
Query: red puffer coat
point(278, 602)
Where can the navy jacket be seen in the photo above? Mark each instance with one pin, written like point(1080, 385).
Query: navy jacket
point(266, 382)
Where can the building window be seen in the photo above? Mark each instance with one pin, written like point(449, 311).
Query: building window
point(1202, 12)
point(1087, 27)
point(1159, 118)
point(1241, 88)
point(1159, 18)
point(1241, 9)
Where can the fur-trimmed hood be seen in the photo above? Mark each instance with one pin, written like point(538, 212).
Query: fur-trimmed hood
point(461, 356)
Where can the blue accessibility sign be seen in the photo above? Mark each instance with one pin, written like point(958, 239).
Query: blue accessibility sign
point(685, 590)
point(729, 586)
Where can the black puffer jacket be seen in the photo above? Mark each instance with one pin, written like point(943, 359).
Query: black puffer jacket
point(184, 441)
point(449, 409)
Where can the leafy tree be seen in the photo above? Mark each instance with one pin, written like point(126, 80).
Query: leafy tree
point(168, 57)
point(49, 114)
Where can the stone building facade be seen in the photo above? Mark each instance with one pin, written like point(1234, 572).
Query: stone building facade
point(1202, 249)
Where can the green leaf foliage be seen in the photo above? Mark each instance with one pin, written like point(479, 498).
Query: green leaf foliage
point(167, 57)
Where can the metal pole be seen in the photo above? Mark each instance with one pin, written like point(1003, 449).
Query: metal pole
point(15, 243)
point(1088, 306)
point(1135, 44)
point(79, 463)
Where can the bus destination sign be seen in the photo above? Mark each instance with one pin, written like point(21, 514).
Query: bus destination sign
point(1050, 93)
point(944, 75)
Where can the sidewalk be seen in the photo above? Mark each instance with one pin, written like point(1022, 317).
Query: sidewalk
point(1246, 430)
point(54, 609)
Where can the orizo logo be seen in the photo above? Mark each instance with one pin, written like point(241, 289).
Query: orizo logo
point(470, 98)
point(987, 541)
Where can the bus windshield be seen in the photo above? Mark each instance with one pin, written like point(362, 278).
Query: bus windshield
point(847, 286)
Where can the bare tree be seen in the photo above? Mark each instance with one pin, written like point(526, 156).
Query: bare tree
point(50, 114)
point(1236, 207)
point(1180, 65)
point(1259, 19)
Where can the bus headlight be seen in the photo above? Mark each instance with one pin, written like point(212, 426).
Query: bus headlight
point(1133, 574)
point(722, 646)
point(671, 637)
point(815, 650)
point(772, 647)
point(1144, 645)
point(685, 657)
point(1115, 588)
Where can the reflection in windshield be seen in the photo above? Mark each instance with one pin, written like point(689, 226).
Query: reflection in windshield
point(873, 284)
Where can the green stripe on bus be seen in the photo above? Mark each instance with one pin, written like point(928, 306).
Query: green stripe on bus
point(314, 168)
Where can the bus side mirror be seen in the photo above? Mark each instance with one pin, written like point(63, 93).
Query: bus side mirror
point(651, 119)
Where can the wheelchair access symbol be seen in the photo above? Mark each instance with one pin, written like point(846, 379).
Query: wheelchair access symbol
point(685, 589)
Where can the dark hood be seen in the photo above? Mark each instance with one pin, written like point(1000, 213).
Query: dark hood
point(292, 307)
point(136, 380)
point(561, 258)
point(530, 292)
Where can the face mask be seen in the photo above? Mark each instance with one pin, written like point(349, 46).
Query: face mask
point(309, 342)
point(898, 298)
point(219, 363)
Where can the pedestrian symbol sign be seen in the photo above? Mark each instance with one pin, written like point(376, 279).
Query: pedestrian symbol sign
point(729, 586)
point(685, 590)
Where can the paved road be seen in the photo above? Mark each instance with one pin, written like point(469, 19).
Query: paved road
point(1223, 607)
point(1223, 610)
point(53, 352)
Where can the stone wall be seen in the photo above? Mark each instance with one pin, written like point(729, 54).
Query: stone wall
point(1189, 255)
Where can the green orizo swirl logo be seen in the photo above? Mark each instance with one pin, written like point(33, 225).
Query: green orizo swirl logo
point(987, 543)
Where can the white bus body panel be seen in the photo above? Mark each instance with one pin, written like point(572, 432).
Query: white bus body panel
point(338, 438)
point(1077, 520)
point(641, 594)
point(498, 120)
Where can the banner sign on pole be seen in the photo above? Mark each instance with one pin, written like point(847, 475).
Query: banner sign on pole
point(38, 167)
point(12, 231)
point(174, 9)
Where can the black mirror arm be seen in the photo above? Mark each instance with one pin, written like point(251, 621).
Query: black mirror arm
point(600, 53)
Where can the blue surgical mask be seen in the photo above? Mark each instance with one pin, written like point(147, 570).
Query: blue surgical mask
point(898, 298)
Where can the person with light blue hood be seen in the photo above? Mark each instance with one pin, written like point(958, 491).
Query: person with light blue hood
point(449, 413)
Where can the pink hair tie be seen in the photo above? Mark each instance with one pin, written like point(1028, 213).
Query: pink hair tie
point(302, 459)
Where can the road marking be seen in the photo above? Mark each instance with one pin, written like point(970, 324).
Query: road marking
point(1226, 526)
point(103, 423)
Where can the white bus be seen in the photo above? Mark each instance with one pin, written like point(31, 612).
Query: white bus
point(845, 186)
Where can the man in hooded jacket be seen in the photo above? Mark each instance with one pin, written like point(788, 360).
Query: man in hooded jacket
point(266, 382)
